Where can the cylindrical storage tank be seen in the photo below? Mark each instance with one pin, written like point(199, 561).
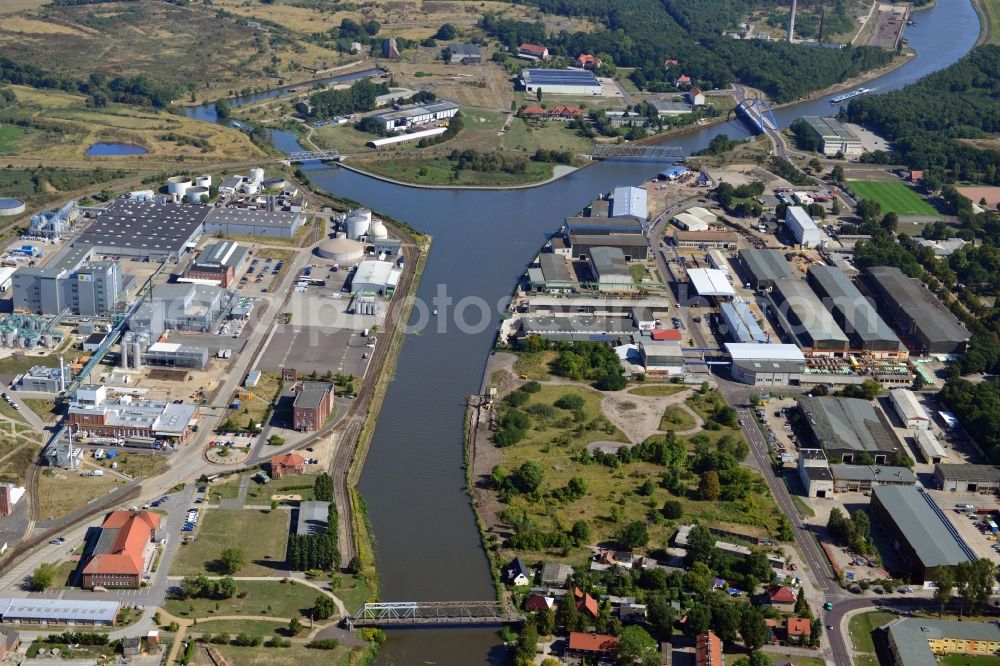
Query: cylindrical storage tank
point(358, 223)
point(203, 181)
point(343, 250)
point(124, 354)
point(10, 206)
point(9, 337)
point(47, 340)
point(178, 185)
point(378, 230)
point(137, 354)
point(194, 194)
point(257, 175)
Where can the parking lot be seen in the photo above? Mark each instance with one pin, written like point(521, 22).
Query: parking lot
point(308, 348)
point(977, 538)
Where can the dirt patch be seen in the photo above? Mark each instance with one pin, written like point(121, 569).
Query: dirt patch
point(639, 416)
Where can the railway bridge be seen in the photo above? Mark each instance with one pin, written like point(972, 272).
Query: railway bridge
point(440, 613)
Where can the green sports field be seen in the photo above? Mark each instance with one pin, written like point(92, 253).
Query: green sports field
point(893, 196)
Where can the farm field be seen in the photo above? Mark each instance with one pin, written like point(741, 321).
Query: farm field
point(893, 196)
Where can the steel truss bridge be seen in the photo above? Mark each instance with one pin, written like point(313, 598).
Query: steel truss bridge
point(322, 155)
point(627, 151)
point(404, 613)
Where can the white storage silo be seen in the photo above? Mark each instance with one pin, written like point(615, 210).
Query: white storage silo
point(124, 353)
point(178, 185)
point(257, 175)
point(358, 223)
point(194, 194)
point(203, 181)
point(137, 354)
point(378, 230)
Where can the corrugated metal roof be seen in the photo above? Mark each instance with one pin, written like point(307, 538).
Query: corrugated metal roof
point(808, 321)
point(853, 310)
point(847, 424)
point(919, 304)
point(766, 264)
point(932, 542)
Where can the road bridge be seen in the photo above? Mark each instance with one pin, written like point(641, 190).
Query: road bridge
point(417, 613)
point(321, 155)
point(632, 151)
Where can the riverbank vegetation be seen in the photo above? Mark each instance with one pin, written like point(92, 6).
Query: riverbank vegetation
point(923, 126)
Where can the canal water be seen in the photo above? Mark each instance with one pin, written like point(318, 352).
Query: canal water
point(427, 545)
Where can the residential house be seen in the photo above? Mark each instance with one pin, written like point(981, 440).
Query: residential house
point(590, 645)
point(556, 573)
point(517, 573)
point(708, 650)
point(588, 61)
point(682, 80)
point(533, 112)
point(696, 96)
point(565, 112)
point(632, 613)
point(797, 630)
point(466, 54)
point(533, 51)
point(780, 596)
point(288, 463)
point(586, 604)
point(119, 556)
point(538, 603)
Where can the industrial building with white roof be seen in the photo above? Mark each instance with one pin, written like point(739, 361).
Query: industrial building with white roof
point(765, 364)
point(711, 282)
point(560, 81)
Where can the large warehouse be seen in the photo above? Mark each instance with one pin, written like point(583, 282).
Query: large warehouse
point(630, 201)
point(765, 365)
point(834, 137)
point(803, 317)
point(604, 226)
point(249, 222)
point(968, 478)
point(919, 532)
point(849, 429)
point(415, 115)
point(711, 282)
point(375, 277)
point(801, 226)
point(145, 229)
point(560, 81)
point(610, 269)
point(763, 267)
point(635, 247)
point(925, 324)
point(865, 329)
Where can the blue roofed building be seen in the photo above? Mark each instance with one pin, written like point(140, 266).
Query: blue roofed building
point(741, 325)
point(632, 201)
point(560, 81)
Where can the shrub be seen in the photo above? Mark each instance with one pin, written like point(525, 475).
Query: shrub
point(323, 644)
point(570, 401)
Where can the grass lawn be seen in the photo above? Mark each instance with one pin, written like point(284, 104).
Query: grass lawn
point(658, 391)
point(535, 365)
point(10, 137)
point(257, 408)
point(439, 172)
point(894, 196)
point(16, 364)
point(15, 469)
point(676, 417)
point(798, 660)
point(46, 409)
point(297, 655)
point(288, 485)
point(265, 628)
point(353, 591)
point(343, 138)
point(137, 465)
point(861, 628)
point(968, 660)
point(261, 534)
point(530, 135)
point(803, 506)
point(262, 597)
point(64, 492)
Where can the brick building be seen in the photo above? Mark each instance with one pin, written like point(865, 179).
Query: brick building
point(312, 406)
point(120, 555)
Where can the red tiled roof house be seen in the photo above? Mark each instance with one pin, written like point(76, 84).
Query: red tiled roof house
point(590, 645)
point(533, 51)
point(289, 463)
point(122, 549)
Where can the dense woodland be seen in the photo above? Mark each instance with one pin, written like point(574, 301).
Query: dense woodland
point(645, 34)
point(924, 119)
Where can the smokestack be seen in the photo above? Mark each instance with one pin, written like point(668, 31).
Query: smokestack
point(62, 374)
point(791, 23)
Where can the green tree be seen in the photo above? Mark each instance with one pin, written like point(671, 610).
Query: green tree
point(226, 587)
point(545, 622)
point(945, 582)
point(672, 509)
point(636, 645)
point(446, 32)
point(660, 616)
point(868, 209)
point(699, 619)
point(632, 535)
point(801, 605)
point(708, 487)
point(323, 607)
point(232, 560)
point(295, 626)
point(580, 532)
point(528, 477)
point(43, 576)
point(753, 628)
point(726, 621)
point(527, 643)
point(222, 109)
point(567, 615)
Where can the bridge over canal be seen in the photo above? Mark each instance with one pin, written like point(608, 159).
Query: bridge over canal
point(422, 613)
